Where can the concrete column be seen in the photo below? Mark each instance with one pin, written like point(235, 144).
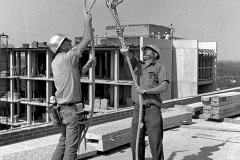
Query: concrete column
point(112, 78)
point(29, 88)
point(18, 91)
point(48, 95)
point(48, 63)
point(18, 63)
point(11, 86)
point(48, 83)
point(116, 78)
point(100, 64)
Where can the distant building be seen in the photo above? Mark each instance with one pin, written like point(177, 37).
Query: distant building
point(141, 30)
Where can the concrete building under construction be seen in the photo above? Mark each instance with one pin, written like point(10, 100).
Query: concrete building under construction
point(27, 82)
point(190, 64)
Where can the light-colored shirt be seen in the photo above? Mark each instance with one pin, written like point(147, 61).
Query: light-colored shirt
point(66, 77)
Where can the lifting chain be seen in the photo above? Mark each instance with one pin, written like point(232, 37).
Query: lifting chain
point(112, 4)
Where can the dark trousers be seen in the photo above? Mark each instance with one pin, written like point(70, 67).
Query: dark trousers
point(153, 124)
point(68, 141)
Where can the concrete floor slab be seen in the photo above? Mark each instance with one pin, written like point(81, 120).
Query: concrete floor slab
point(190, 144)
point(184, 144)
point(39, 149)
point(203, 140)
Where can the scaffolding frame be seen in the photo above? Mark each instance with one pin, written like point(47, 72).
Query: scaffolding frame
point(4, 82)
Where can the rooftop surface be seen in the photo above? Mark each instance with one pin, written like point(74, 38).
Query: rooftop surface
point(202, 140)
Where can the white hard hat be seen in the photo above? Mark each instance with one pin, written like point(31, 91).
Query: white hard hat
point(154, 47)
point(55, 42)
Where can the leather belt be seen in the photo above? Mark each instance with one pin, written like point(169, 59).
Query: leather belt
point(70, 104)
point(148, 105)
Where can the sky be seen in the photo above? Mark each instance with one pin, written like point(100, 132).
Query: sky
point(218, 21)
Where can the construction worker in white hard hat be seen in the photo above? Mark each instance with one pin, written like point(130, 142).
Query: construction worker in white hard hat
point(68, 88)
point(152, 80)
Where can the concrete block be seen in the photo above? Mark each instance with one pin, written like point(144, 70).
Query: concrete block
point(109, 130)
point(176, 118)
point(194, 108)
point(107, 144)
point(97, 103)
point(109, 135)
point(104, 103)
point(113, 134)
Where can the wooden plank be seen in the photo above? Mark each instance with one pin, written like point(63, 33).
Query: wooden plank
point(207, 112)
point(222, 113)
point(226, 106)
point(225, 97)
point(206, 98)
point(207, 107)
point(225, 111)
point(209, 98)
point(228, 114)
point(222, 103)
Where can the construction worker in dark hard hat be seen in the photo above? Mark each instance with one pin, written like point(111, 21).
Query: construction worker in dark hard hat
point(68, 94)
point(152, 81)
